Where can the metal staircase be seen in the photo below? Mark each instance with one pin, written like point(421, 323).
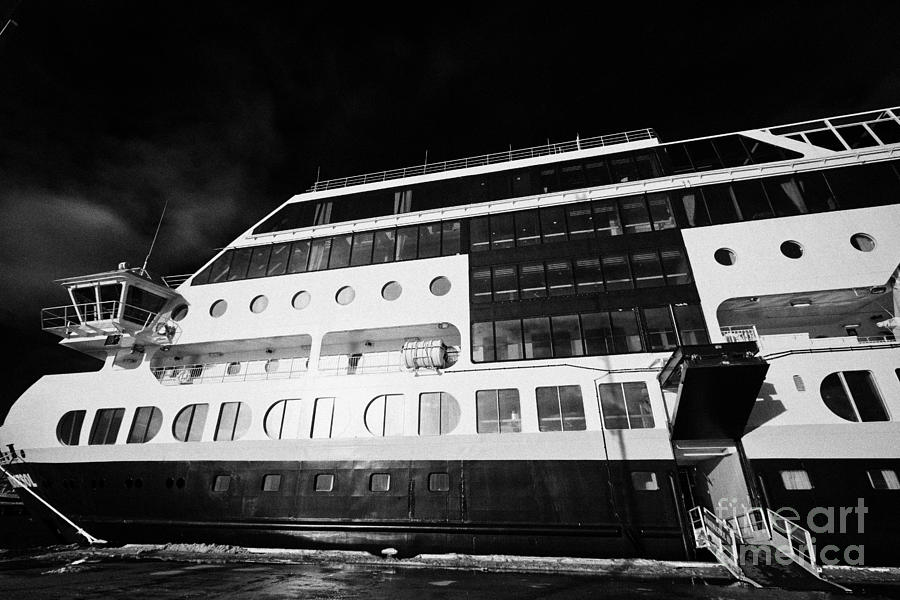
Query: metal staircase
point(761, 548)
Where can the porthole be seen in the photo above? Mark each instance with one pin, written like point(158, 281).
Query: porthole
point(218, 308)
point(439, 286)
point(792, 249)
point(180, 312)
point(345, 295)
point(301, 300)
point(259, 304)
point(725, 256)
point(391, 290)
point(862, 242)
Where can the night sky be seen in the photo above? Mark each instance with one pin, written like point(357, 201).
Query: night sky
point(226, 109)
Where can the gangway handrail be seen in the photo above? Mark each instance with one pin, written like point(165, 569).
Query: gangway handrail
point(798, 539)
point(716, 534)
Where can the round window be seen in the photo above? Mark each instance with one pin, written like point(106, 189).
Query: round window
point(439, 286)
point(792, 249)
point(345, 295)
point(391, 290)
point(862, 242)
point(180, 312)
point(218, 308)
point(301, 300)
point(259, 304)
point(725, 256)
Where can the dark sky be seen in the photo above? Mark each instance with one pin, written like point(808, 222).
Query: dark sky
point(226, 109)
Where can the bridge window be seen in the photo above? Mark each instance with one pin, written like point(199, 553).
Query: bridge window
point(438, 413)
point(796, 480)
point(68, 430)
point(560, 408)
point(853, 395)
point(105, 428)
point(146, 424)
point(884, 479)
point(189, 423)
point(498, 411)
point(626, 405)
point(234, 421)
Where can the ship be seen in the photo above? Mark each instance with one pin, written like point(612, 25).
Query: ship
point(608, 347)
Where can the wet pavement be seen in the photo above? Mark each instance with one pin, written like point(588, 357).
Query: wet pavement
point(27, 575)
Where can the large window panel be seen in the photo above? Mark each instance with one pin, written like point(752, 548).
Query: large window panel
point(407, 243)
point(732, 151)
point(675, 159)
point(502, 231)
point(450, 238)
point(691, 325)
point(508, 339)
point(385, 415)
point(318, 254)
point(623, 168)
point(612, 406)
point(693, 207)
point(560, 408)
point(429, 240)
point(239, 264)
point(146, 424)
point(438, 413)
point(323, 418)
point(259, 261)
point(189, 423)
point(853, 395)
point(299, 257)
point(606, 218)
point(506, 287)
point(572, 177)
point(559, 278)
point(703, 155)
point(481, 285)
point(597, 333)
point(617, 272)
point(68, 430)
point(549, 179)
point(815, 191)
point(626, 333)
point(532, 283)
point(637, 399)
point(479, 234)
point(675, 266)
point(786, 196)
point(340, 251)
point(536, 332)
point(752, 200)
point(626, 405)
point(234, 421)
point(483, 342)
point(498, 411)
point(361, 253)
point(580, 221)
point(566, 336)
point(528, 230)
point(862, 186)
point(105, 428)
point(383, 251)
point(588, 276)
point(647, 164)
point(721, 204)
point(660, 330)
point(660, 211)
point(634, 214)
point(553, 224)
point(278, 260)
point(647, 269)
point(597, 171)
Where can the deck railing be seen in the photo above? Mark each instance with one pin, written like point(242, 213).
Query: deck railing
point(740, 333)
point(173, 281)
point(225, 372)
point(74, 315)
point(356, 364)
point(488, 159)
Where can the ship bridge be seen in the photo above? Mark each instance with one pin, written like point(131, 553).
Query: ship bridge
point(111, 309)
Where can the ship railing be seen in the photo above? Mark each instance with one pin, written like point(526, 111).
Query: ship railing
point(793, 539)
point(877, 339)
point(173, 281)
point(356, 364)
point(751, 526)
point(740, 333)
point(72, 316)
point(488, 159)
point(233, 371)
point(715, 534)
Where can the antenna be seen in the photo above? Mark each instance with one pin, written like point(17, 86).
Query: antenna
point(150, 251)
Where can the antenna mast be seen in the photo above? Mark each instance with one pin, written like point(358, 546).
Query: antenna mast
point(153, 243)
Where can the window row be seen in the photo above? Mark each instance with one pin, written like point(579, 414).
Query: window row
point(663, 160)
point(589, 334)
point(879, 479)
point(591, 275)
point(326, 482)
point(347, 250)
point(599, 218)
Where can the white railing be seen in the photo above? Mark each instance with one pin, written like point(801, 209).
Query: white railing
point(877, 339)
point(354, 364)
point(252, 370)
point(75, 315)
point(173, 281)
point(739, 333)
point(751, 526)
point(793, 539)
point(488, 159)
point(715, 534)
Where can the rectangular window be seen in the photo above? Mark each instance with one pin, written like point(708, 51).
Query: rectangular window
point(218, 271)
point(786, 195)
point(105, 428)
point(239, 264)
point(676, 159)
point(622, 168)
point(324, 482)
point(647, 165)
point(536, 333)
point(429, 240)
point(597, 172)
point(644, 481)
point(508, 339)
point(234, 420)
point(553, 224)
point(380, 482)
point(691, 325)
point(693, 207)
point(383, 251)
point(580, 219)
point(884, 479)
point(407, 243)
point(634, 214)
point(560, 408)
point(625, 405)
point(703, 155)
point(189, 423)
point(731, 150)
point(616, 272)
point(660, 330)
point(221, 483)
point(571, 177)
point(146, 424)
point(259, 261)
point(450, 238)
point(361, 253)
point(559, 278)
point(606, 218)
point(647, 269)
point(532, 283)
point(438, 413)
point(323, 417)
point(660, 211)
point(271, 483)
point(502, 231)
point(299, 257)
point(625, 332)
point(498, 411)
point(479, 238)
point(278, 260)
point(438, 482)
point(752, 200)
point(796, 480)
point(481, 285)
point(340, 251)
point(597, 334)
point(68, 431)
point(675, 266)
point(483, 342)
point(318, 254)
point(528, 231)
point(588, 276)
point(506, 286)
point(720, 202)
point(566, 336)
